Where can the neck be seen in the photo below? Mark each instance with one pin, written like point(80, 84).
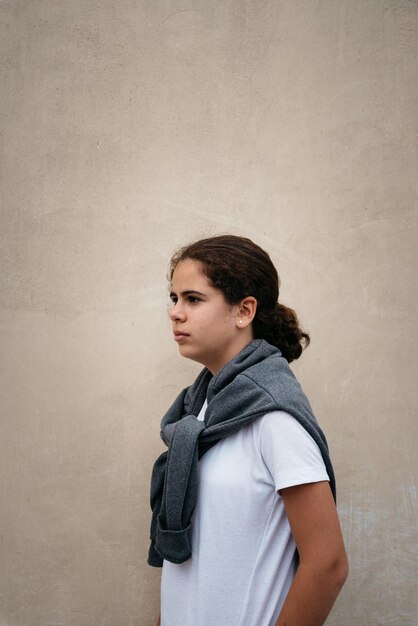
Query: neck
point(234, 349)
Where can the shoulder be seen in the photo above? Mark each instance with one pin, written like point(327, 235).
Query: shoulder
point(288, 450)
point(281, 425)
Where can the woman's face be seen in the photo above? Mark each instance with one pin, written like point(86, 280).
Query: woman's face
point(205, 326)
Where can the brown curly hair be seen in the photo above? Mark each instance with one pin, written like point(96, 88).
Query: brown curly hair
point(239, 268)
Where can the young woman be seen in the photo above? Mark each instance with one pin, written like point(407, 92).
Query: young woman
point(244, 518)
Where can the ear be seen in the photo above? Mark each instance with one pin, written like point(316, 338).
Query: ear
point(246, 311)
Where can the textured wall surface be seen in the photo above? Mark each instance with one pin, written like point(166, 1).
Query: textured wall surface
point(129, 127)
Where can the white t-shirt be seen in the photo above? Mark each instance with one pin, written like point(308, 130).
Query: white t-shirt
point(243, 553)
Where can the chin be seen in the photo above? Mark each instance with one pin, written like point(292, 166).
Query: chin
point(189, 354)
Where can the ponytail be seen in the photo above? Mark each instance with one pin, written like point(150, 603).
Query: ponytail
point(280, 327)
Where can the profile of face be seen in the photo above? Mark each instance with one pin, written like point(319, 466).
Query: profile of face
point(206, 327)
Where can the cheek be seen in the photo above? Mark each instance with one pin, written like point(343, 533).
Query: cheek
point(221, 322)
point(209, 324)
point(216, 321)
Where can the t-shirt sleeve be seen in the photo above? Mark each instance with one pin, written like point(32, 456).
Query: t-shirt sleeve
point(289, 452)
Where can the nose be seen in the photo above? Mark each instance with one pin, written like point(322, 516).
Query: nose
point(177, 313)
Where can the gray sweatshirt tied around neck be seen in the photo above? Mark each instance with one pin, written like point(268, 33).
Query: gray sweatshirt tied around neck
point(256, 381)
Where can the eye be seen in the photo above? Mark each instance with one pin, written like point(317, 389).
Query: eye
point(193, 299)
point(173, 299)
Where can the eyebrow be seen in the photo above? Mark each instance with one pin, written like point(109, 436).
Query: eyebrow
point(187, 293)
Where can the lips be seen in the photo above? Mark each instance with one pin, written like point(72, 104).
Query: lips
point(180, 335)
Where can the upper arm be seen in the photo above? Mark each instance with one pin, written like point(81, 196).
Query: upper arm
point(314, 523)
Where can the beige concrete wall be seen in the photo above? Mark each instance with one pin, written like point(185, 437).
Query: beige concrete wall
point(130, 127)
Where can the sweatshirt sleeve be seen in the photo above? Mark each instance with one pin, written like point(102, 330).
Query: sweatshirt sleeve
point(290, 454)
